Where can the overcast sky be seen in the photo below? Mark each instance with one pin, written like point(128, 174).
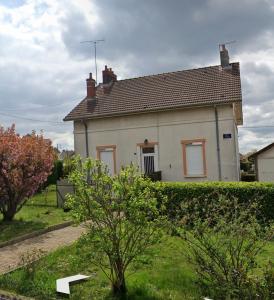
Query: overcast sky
point(43, 65)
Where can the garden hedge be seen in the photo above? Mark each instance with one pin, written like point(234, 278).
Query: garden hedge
point(179, 192)
point(56, 174)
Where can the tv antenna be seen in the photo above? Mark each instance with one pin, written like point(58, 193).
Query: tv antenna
point(94, 42)
point(227, 43)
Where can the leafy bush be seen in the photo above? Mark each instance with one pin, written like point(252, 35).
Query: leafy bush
point(68, 166)
point(123, 214)
point(224, 245)
point(56, 174)
point(248, 177)
point(29, 260)
point(207, 192)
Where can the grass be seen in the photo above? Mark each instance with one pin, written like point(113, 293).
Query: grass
point(162, 273)
point(39, 212)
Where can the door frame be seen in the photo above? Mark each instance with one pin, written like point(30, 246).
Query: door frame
point(140, 146)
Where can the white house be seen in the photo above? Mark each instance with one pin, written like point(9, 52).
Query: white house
point(181, 124)
point(264, 163)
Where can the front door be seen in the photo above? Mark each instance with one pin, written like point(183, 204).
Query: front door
point(148, 160)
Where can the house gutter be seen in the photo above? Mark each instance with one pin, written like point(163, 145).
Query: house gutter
point(87, 149)
point(111, 115)
point(86, 137)
point(218, 143)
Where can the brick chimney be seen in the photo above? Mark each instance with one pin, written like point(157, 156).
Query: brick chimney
point(91, 92)
point(108, 75)
point(224, 56)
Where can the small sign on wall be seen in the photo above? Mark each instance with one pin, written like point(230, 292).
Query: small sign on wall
point(227, 136)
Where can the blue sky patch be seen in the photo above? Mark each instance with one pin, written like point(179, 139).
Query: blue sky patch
point(12, 3)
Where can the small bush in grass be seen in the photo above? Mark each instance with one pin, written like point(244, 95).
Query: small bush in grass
point(124, 216)
point(29, 260)
point(262, 286)
point(223, 246)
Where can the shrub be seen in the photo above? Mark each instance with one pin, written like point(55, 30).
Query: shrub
point(248, 177)
point(224, 245)
point(123, 213)
point(206, 192)
point(56, 174)
point(29, 261)
point(68, 166)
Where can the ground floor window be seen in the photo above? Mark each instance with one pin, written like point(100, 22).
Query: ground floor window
point(107, 154)
point(194, 158)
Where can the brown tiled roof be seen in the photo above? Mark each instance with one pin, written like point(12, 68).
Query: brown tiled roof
point(203, 86)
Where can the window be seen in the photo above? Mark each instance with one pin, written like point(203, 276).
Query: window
point(107, 154)
point(194, 159)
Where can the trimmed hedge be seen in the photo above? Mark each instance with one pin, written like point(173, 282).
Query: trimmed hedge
point(179, 192)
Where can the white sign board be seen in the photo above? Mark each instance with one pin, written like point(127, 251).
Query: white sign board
point(62, 285)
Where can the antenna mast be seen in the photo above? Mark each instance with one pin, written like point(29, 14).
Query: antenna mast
point(227, 43)
point(94, 42)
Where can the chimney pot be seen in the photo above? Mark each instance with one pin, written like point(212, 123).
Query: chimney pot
point(108, 75)
point(91, 91)
point(224, 56)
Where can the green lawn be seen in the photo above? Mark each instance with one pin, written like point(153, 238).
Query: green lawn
point(163, 273)
point(39, 212)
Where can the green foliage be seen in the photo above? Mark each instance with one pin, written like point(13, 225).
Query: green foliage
point(206, 192)
point(123, 214)
point(223, 246)
point(246, 166)
point(248, 177)
point(56, 174)
point(68, 166)
point(29, 260)
point(161, 274)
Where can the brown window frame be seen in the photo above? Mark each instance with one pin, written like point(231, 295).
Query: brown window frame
point(188, 142)
point(99, 149)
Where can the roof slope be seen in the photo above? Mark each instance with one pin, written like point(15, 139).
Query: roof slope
point(262, 150)
point(209, 85)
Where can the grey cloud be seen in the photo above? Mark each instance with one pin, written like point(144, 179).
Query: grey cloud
point(257, 83)
point(147, 37)
point(152, 31)
point(157, 36)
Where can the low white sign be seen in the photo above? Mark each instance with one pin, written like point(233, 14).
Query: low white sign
point(62, 285)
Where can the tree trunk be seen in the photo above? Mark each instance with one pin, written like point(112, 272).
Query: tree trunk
point(119, 286)
point(9, 215)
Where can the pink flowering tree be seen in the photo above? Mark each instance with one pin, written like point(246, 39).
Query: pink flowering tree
point(25, 163)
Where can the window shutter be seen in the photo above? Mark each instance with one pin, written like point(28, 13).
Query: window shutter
point(194, 159)
point(107, 159)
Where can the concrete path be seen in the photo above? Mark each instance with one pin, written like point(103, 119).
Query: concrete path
point(10, 256)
